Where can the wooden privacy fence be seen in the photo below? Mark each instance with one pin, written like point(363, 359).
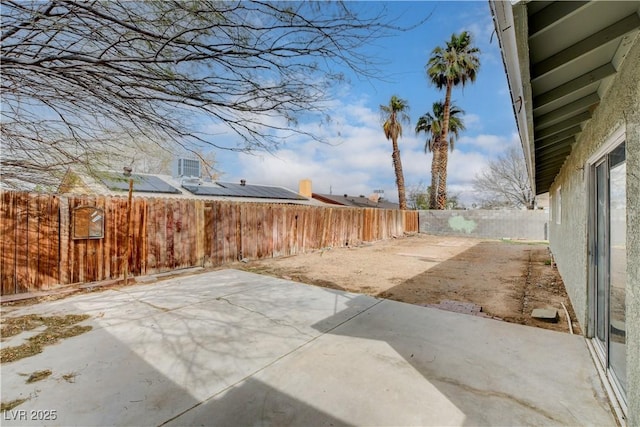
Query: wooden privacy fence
point(38, 250)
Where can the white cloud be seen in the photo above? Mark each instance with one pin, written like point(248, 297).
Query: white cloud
point(472, 122)
point(358, 160)
point(490, 144)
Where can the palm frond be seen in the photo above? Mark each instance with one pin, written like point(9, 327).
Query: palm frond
point(431, 123)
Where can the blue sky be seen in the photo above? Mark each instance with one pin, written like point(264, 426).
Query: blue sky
point(358, 160)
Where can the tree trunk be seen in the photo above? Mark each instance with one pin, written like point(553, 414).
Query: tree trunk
point(397, 166)
point(435, 178)
point(442, 174)
point(444, 139)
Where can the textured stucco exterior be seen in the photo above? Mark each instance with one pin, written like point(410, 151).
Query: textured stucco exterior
point(493, 224)
point(620, 107)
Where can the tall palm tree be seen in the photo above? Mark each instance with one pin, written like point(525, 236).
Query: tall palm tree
point(431, 124)
point(454, 64)
point(394, 114)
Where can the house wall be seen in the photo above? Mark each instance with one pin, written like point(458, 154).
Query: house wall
point(492, 224)
point(568, 240)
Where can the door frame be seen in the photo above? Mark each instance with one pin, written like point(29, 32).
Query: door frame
point(615, 139)
point(601, 347)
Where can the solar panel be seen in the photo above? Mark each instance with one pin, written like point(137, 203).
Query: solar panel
point(202, 190)
point(263, 191)
point(237, 190)
point(141, 183)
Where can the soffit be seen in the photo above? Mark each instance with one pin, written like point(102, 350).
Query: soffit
point(574, 49)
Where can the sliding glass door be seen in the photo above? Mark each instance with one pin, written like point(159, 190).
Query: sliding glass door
point(610, 254)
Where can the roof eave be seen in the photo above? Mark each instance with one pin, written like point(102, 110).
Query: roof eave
point(511, 26)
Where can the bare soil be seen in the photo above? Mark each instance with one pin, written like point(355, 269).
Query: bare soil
point(507, 279)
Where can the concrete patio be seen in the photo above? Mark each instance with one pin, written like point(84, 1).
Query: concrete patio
point(229, 348)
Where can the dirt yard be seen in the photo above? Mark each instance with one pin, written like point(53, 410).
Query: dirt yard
point(506, 279)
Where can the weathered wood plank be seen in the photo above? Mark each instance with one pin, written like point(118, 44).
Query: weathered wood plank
point(189, 228)
point(187, 245)
point(237, 250)
point(217, 248)
point(199, 233)
point(195, 251)
point(111, 249)
point(48, 243)
point(249, 232)
point(171, 234)
point(159, 238)
point(90, 255)
point(8, 230)
point(123, 235)
point(207, 239)
point(22, 243)
point(139, 237)
point(230, 232)
point(33, 242)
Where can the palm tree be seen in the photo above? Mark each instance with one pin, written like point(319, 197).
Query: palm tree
point(455, 64)
point(394, 113)
point(431, 124)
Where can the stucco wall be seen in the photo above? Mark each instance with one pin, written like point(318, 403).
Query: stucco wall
point(568, 240)
point(531, 225)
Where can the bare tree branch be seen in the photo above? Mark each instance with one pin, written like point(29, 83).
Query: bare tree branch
point(504, 182)
point(76, 75)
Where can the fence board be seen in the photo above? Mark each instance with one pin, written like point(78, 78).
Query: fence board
point(33, 224)
point(182, 234)
point(22, 218)
point(217, 240)
point(112, 229)
point(304, 215)
point(9, 233)
point(101, 258)
point(46, 251)
point(159, 240)
point(199, 234)
point(190, 229)
point(139, 224)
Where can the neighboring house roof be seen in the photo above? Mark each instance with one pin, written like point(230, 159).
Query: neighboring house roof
point(154, 185)
point(560, 58)
point(354, 201)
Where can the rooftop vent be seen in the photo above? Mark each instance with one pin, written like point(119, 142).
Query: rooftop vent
point(243, 182)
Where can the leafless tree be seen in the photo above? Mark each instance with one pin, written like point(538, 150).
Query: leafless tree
point(505, 183)
point(418, 196)
point(82, 78)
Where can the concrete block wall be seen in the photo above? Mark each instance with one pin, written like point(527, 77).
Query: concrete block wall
point(493, 224)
